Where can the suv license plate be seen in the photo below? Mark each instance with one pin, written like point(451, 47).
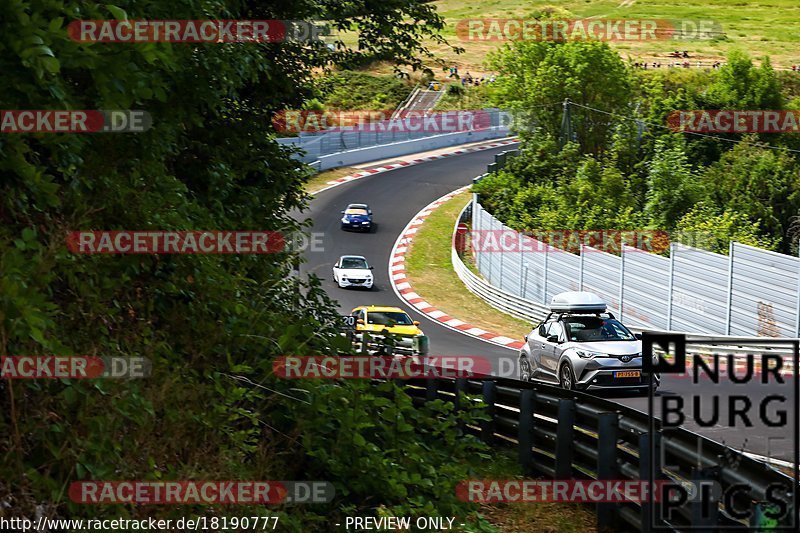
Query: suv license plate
point(628, 374)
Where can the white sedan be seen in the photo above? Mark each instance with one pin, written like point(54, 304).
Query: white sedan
point(352, 271)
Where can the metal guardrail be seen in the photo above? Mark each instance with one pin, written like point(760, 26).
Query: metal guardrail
point(326, 143)
point(571, 435)
point(405, 103)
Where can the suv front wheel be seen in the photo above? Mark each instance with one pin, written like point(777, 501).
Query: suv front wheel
point(566, 377)
point(525, 371)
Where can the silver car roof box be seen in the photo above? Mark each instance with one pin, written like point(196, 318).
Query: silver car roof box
point(577, 302)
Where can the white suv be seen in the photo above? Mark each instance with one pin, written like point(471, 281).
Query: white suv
point(580, 345)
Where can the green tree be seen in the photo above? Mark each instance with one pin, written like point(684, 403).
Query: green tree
point(673, 186)
point(742, 85)
point(537, 77)
point(210, 325)
point(704, 226)
point(760, 183)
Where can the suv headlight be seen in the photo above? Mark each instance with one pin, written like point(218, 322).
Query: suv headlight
point(588, 355)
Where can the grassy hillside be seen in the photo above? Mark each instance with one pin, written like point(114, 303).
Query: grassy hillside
point(765, 27)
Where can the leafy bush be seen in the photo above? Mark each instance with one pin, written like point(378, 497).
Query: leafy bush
point(211, 325)
point(359, 90)
point(455, 89)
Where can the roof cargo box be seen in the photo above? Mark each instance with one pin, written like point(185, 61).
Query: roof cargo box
point(577, 302)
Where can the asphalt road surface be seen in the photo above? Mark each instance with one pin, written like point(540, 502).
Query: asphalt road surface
point(396, 196)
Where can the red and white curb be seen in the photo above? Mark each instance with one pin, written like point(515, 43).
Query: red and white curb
point(386, 168)
point(402, 286)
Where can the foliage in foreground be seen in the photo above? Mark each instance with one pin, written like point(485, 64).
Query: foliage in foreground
point(210, 325)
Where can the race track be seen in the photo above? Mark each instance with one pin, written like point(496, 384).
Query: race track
point(396, 196)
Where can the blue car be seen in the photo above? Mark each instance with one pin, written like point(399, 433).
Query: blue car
point(357, 217)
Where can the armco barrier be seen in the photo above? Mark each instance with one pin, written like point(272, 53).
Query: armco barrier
point(323, 149)
point(396, 149)
point(563, 434)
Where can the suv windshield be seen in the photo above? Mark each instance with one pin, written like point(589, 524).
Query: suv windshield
point(388, 318)
point(353, 262)
point(596, 329)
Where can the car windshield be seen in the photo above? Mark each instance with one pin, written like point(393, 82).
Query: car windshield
point(388, 318)
point(354, 262)
point(352, 211)
point(596, 329)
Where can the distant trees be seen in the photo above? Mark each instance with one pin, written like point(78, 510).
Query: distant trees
point(536, 77)
point(625, 168)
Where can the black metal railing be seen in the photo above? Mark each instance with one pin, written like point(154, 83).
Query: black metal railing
point(562, 434)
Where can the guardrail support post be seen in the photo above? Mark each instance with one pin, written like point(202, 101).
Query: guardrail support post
point(460, 390)
point(487, 426)
point(565, 435)
point(729, 311)
point(431, 389)
point(646, 460)
point(527, 408)
point(607, 466)
point(705, 507)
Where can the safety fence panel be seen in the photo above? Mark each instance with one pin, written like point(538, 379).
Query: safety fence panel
point(646, 291)
point(601, 276)
point(699, 290)
point(764, 293)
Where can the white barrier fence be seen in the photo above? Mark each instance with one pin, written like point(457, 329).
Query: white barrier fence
point(322, 149)
point(510, 302)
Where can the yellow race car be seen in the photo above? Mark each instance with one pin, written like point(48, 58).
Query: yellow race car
point(388, 330)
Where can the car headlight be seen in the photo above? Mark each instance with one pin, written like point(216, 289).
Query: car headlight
point(365, 222)
point(344, 278)
point(588, 355)
point(344, 219)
